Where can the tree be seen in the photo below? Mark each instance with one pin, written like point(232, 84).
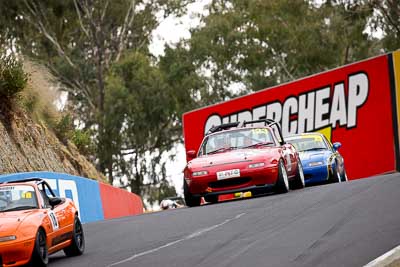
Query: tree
point(141, 121)
point(261, 43)
point(79, 41)
point(388, 20)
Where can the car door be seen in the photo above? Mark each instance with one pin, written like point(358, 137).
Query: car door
point(340, 161)
point(336, 155)
point(288, 156)
point(56, 214)
point(288, 151)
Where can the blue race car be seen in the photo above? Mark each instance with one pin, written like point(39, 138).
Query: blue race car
point(321, 160)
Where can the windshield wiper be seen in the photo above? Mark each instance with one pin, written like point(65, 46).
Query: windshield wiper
point(259, 144)
point(314, 148)
point(20, 208)
point(222, 149)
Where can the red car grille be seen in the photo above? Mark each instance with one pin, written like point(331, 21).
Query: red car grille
point(229, 182)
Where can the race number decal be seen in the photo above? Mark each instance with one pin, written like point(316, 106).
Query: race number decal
point(54, 221)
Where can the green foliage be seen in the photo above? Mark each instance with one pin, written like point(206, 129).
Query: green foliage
point(40, 95)
point(181, 76)
point(261, 43)
point(387, 20)
point(64, 128)
point(65, 131)
point(157, 193)
point(30, 103)
point(140, 120)
point(41, 109)
point(80, 41)
point(13, 79)
point(83, 141)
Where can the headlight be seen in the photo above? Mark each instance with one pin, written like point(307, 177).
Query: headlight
point(7, 238)
point(256, 165)
point(315, 163)
point(199, 173)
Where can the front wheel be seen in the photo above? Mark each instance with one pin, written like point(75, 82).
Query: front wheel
point(40, 255)
point(191, 201)
point(298, 181)
point(77, 246)
point(344, 176)
point(335, 176)
point(282, 185)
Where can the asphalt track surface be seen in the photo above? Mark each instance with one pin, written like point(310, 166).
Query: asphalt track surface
point(347, 224)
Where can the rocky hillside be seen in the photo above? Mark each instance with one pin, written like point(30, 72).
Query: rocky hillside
point(27, 109)
point(27, 146)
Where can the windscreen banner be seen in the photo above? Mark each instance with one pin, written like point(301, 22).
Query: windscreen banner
point(356, 105)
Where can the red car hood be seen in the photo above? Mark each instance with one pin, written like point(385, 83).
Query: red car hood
point(10, 221)
point(233, 156)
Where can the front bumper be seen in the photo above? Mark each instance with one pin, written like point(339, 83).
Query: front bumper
point(315, 174)
point(249, 180)
point(254, 189)
point(16, 253)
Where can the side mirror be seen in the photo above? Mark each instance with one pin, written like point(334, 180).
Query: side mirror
point(191, 154)
point(336, 145)
point(54, 201)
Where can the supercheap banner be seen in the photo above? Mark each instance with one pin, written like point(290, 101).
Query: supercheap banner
point(355, 105)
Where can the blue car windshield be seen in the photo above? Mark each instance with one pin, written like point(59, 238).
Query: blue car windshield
point(308, 143)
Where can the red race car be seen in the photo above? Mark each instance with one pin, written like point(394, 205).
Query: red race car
point(235, 158)
point(36, 223)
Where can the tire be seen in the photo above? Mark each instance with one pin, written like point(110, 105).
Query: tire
point(40, 255)
point(335, 176)
point(77, 246)
point(211, 199)
point(191, 201)
point(344, 176)
point(298, 181)
point(282, 185)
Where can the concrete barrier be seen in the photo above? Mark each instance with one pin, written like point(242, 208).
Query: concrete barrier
point(95, 201)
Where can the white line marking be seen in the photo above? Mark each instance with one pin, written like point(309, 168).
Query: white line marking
point(191, 236)
point(384, 257)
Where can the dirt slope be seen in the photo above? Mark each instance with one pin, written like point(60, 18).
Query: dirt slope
point(27, 146)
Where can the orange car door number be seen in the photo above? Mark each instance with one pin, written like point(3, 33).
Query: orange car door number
point(54, 221)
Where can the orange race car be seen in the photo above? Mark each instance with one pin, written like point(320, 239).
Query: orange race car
point(35, 223)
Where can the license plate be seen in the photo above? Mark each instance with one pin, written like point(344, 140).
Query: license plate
point(228, 174)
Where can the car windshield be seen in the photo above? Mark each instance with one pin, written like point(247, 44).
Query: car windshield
point(17, 197)
point(236, 139)
point(307, 143)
